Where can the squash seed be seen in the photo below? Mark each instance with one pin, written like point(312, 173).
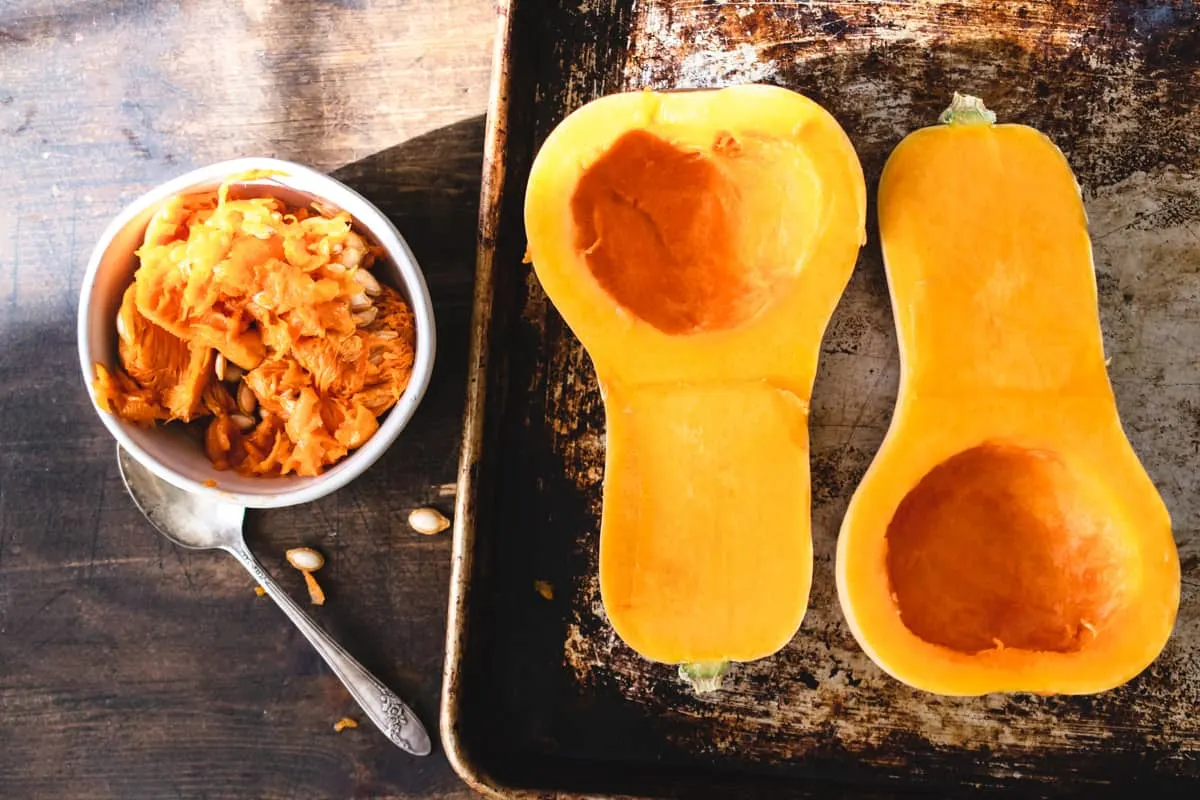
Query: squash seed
point(364, 318)
point(353, 250)
point(243, 422)
point(308, 561)
point(246, 400)
point(227, 372)
point(386, 335)
point(367, 281)
point(360, 302)
point(122, 331)
point(428, 521)
point(305, 559)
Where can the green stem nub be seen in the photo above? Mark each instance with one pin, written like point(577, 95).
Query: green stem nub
point(704, 676)
point(967, 109)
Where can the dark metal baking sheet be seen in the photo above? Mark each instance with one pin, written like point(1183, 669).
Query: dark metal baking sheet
point(541, 698)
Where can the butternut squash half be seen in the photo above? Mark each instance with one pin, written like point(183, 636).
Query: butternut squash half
point(1006, 537)
point(697, 243)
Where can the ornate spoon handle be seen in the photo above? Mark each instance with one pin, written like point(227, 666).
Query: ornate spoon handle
point(389, 713)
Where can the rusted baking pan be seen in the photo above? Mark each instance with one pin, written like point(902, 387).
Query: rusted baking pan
point(541, 698)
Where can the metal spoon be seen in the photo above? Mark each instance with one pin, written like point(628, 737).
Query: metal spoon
point(201, 524)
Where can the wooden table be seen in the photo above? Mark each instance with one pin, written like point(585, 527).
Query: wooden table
point(130, 668)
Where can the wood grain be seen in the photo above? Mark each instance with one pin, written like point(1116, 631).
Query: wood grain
point(130, 668)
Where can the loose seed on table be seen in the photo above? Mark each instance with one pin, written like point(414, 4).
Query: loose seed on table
point(308, 561)
point(428, 521)
point(305, 559)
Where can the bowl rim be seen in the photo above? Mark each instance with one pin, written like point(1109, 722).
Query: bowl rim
point(364, 212)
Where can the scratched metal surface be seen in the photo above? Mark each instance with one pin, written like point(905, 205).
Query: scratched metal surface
point(1117, 86)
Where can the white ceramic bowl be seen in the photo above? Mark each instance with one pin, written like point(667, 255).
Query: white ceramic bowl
point(170, 454)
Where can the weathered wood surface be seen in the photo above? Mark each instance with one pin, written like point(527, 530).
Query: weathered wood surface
point(129, 668)
point(1115, 84)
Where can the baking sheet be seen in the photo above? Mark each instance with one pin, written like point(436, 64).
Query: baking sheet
point(540, 695)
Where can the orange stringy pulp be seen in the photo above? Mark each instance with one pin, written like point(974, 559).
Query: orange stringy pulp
point(276, 292)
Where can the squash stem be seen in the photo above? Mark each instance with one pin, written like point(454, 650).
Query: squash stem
point(704, 676)
point(967, 109)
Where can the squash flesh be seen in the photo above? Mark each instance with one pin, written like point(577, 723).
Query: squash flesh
point(1005, 240)
point(1005, 503)
point(696, 243)
point(680, 547)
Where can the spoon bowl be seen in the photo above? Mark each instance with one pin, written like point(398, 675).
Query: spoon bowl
point(199, 523)
point(184, 518)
